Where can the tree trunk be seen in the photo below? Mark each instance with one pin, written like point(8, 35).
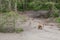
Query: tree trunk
point(16, 6)
point(9, 6)
point(0, 5)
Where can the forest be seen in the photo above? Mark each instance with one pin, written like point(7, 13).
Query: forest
point(11, 5)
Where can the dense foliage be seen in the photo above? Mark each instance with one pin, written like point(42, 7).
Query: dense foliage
point(7, 5)
point(37, 4)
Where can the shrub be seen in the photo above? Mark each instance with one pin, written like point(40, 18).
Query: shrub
point(17, 30)
point(55, 12)
point(57, 6)
point(55, 15)
point(8, 22)
point(57, 19)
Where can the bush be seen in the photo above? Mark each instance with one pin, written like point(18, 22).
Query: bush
point(57, 19)
point(20, 7)
point(7, 29)
point(55, 12)
point(32, 5)
point(37, 5)
point(55, 15)
point(19, 30)
point(57, 6)
point(8, 22)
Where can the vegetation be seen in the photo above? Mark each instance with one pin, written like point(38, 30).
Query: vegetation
point(57, 20)
point(19, 30)
point(9, 11)
point(8, 5)
point(22, 5)
point(8, 22)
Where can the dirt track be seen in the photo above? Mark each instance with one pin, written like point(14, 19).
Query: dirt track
point(32, 33)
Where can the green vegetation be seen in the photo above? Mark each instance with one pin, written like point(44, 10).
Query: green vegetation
point(22, 5)
point(9, 11)
point(19, 30)
point(8, 5)
point(57, 19)
point(8, 22)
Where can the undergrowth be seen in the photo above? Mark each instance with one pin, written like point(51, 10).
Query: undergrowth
point(8, 22)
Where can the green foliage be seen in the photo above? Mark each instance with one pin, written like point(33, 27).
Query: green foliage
point(57, 19)
point(37, 5)
point(57, 6)
point(28, 5)
point(8, 22)
point(55, 15)
point(55, 12)
point(20, 5)
point(18, 30)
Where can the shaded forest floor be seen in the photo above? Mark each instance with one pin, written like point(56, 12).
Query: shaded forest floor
point(31, 32)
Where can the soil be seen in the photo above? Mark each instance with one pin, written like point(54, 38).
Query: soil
point(31, 32)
